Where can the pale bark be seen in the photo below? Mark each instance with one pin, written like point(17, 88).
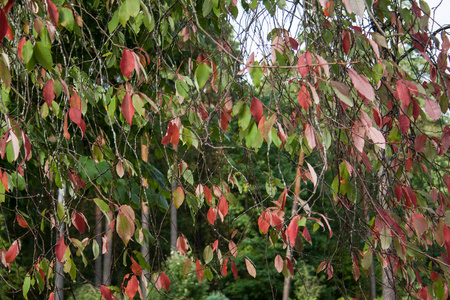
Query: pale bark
point(59, 270)
point(287, 280)
point(145, 215)
point(107, 257)
point(98, 238)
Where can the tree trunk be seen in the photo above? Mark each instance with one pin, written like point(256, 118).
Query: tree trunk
point(389, 290)
point(145, 214)
point(287, 280)
point(59, 271)
point(173, 209)
point(98, 238)
point(107, 257)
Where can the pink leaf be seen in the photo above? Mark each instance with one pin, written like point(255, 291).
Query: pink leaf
point(198, 270)
point(250, 268)
point(279, 263)
point(309, 134)
point(256, 109)
point(419, 143)
point(419, 224)
point(432, 108)
point(362, 85)
point(313, 174)
point(165, 281)
point(15, 144)
point(128, 108)
point(377, 137)
point(233, 248)
point(182, 246)
point(127, 64)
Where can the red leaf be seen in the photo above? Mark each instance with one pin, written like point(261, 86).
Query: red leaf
point(376, 117)
point(66, 125)
point(304, 98)
point(362, 85)
point(20, 46)
point(256, 109)
point(106, 292)
point(432, 108)
point(8, 6)
point(294, 43)
point(128, 108)
point(223, 121)
point(306, 234)
point(165, 281)
point(60, 249)
point(53, 12)
point(52, 296)
point(211, 215)
point(264, 222)
point(223, 270)
point(198, 271)
point(75, 115)
point(292, 231)
point(136, 268)
point(279, 263)
point(172, 135)
point(132, 287)
point(78, 221)
point(303, 64)
point(419, 224)
point(208, 194)
point(127, 63)
point(233, 248)
point(12, 252)
point(416, 109)
point(75, 101)
point(404, 123)
point(446, 231)
point(234, 269)
point(403, 93)
point(419, 143)
point(21, 221)
point(223, 206)
point(289, 266)
point(215, 245)
point(346, 41)
point(4, 180)
point(4, 25)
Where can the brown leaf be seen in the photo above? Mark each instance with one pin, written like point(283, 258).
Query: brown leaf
point(53, 12)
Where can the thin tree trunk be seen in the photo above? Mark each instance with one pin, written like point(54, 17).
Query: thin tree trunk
point(372, 278)
point(389, 290)
point(144, 219)
point(59, 271)
point(173, 209)
point(98, 238)
point(287, 280)
point(107, 257)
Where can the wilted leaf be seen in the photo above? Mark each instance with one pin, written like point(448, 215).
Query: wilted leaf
point(233, 248)
point(182, 246)
point(313, 174)
point(172, 135)
point(419, 223)
point(357, 6)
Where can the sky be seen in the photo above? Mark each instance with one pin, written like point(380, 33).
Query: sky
point(441, 8)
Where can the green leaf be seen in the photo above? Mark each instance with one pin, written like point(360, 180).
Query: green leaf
point(206, 7)
point(43, 55)
point(133, 7)
point(256, 74)
point(125, 223)
point(244, 117)
point(182, 88)
point(2, 193)
point(202, 74)
point(66, 18)
point(207, 254)
point(102, 205)
point(26, 286)
point(112, 25)
point(95, 249)
point(27, 51)
point(178, 197)
point(366, 261)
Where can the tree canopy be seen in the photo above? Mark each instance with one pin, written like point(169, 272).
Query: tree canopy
point(149, 146)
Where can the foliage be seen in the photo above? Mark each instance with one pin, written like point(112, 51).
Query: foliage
point(329, 145)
